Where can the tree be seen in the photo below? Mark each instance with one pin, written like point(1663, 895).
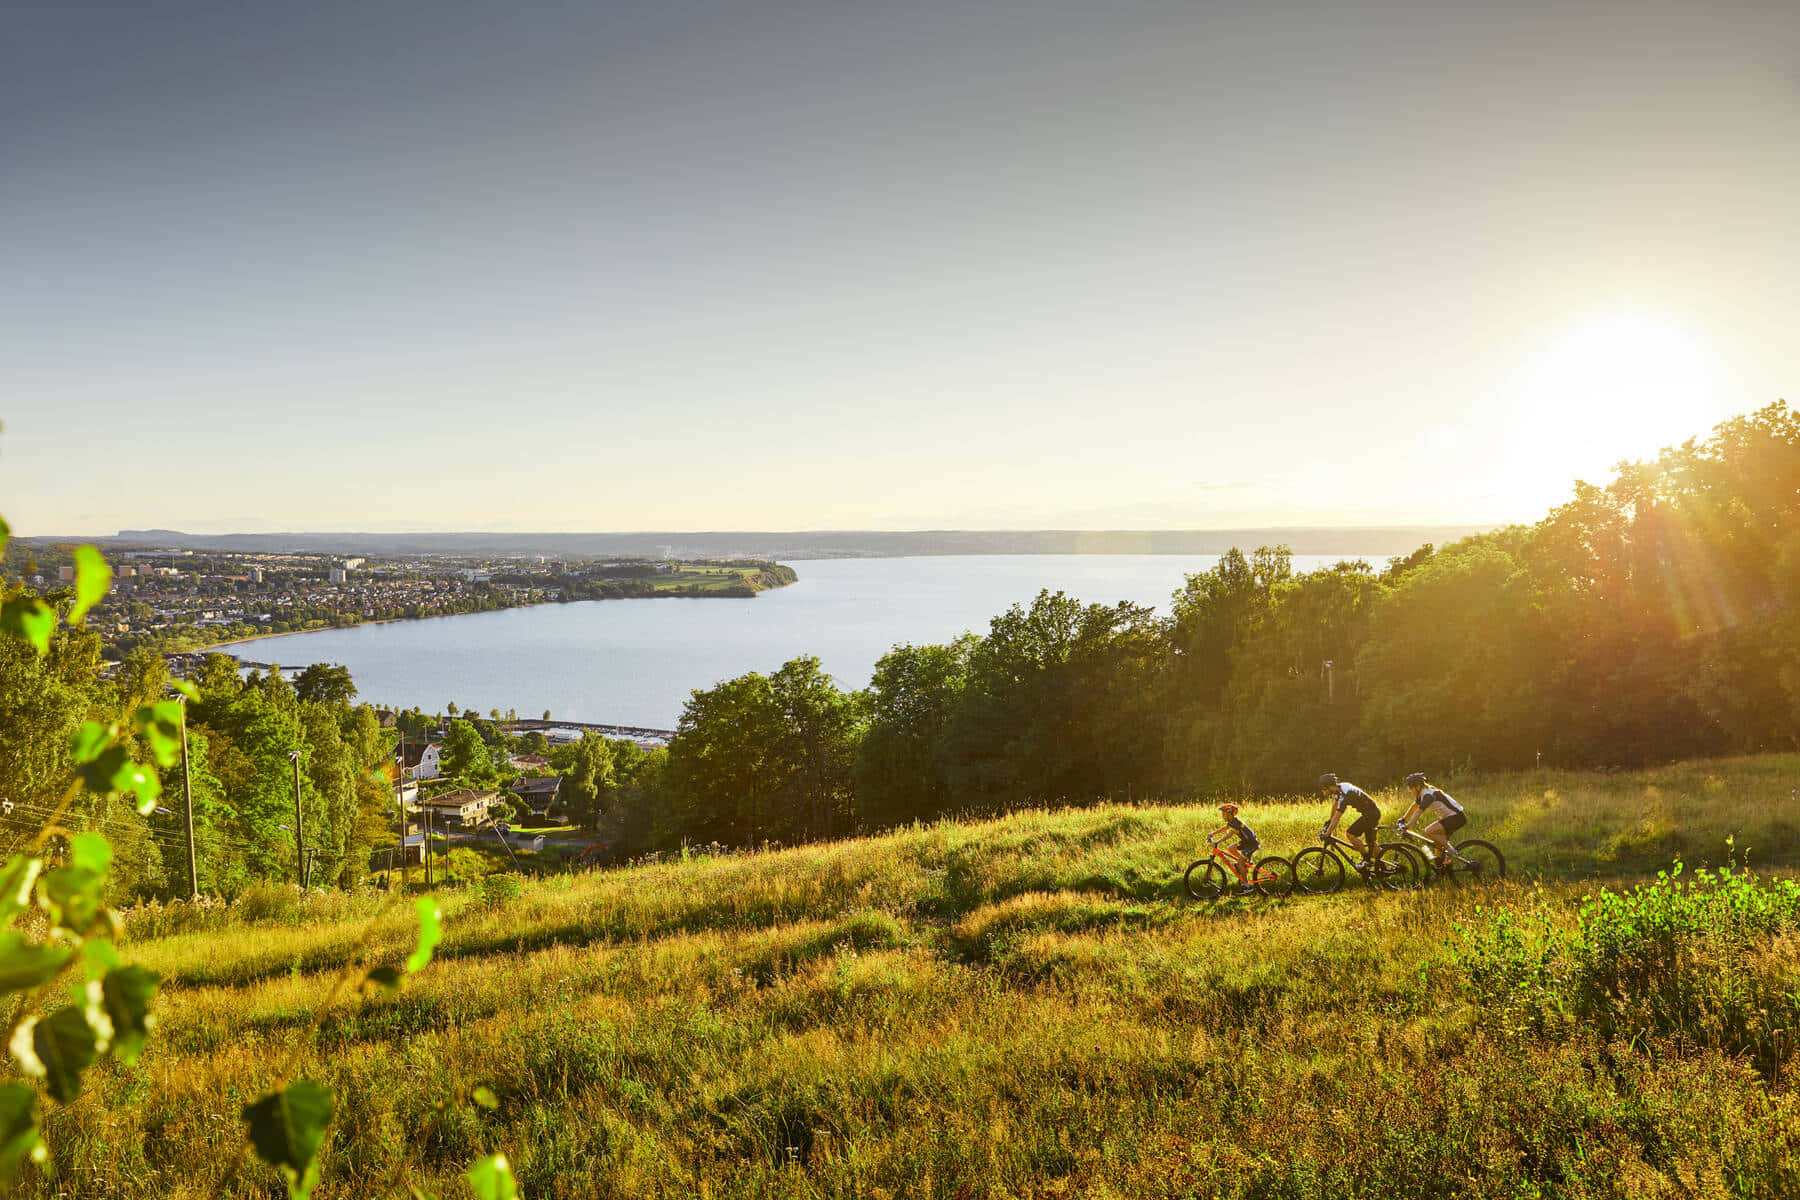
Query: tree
point(465, 756)
point(587, 775)
point(325, 683)
point(912, 699)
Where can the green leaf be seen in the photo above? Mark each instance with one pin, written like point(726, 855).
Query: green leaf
point(186, 688)
point(92, 579)
point(492, 1179)
point(90, 852)
point(21, 1138)
point(25, 965)
point(485, 1097)
point(29, 618)
point(16, 879)
point(161, 726)
point(430, 934)
point(74, 897)
point(5, 533)
point(97, 773)
point(89, 742)
point(67, 1045)
point(287, 1128)
point(141, 782)
point(127, 993)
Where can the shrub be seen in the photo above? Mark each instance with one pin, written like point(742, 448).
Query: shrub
point(500, 890)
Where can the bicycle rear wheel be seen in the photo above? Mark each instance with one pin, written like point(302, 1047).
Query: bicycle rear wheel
point(1317, 873)
point(1273, 876)
point(1487, 864)
point(1204, 880)
point(1395, 869)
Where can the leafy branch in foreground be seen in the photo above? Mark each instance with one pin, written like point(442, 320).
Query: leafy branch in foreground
point(70, 953)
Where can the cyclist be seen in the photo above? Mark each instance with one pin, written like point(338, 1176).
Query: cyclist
point(1247, 844)
point(1368, 816)
point(1448, 816)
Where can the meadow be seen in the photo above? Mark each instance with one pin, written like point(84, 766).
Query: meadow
point(1023, 1006)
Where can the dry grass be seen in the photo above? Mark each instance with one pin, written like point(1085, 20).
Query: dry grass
point(1021, 1007)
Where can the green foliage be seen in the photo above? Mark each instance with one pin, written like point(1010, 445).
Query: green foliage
point(93, 578)
point(431, 932)
point(491, 1178)
point(1687, 958)
point(64, 1044)
point(325, 683)
point(287, 1128)
point(21, 1138)
point(500, 889)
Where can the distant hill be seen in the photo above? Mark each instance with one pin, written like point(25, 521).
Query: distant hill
point(802, 544)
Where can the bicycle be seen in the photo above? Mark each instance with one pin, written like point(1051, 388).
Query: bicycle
point(1319, 870)
point(1481, 862)
point(1207, 879)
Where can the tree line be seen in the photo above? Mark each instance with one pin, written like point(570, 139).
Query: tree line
point(1652, 618)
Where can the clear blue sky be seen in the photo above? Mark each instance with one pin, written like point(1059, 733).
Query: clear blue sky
point(757, 264)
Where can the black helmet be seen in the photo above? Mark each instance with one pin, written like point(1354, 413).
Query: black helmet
point(1328, 780)
point(1416, 779)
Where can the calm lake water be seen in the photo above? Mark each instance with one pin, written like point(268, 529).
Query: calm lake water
point(633, 662)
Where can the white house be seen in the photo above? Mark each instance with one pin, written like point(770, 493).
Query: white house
point(421, 760)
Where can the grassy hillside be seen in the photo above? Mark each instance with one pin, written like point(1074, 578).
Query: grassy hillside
point(1019, 1007)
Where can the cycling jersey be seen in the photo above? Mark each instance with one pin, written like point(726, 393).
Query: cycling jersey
point(1441, 798)
point(1351, 796)
point(1246, 840)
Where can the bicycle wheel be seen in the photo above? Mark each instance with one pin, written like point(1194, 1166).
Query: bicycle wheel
point(1421, 867)
point(1394, 869)
point(1487, 864)
point(1273, 877)
point(1317, 873)
point(1205, 880)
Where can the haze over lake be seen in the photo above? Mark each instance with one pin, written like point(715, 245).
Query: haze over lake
point(634, 662)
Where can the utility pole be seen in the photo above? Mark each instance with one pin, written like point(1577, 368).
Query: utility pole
point(299, 833)
point(427, 848)
point(187, 810)
point(405, 851)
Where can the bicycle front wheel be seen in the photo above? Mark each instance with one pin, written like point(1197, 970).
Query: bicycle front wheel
point(1486, 864)
point(1317, 873)
point(1273, 876)
point(1395, 869)
point(1204, 880)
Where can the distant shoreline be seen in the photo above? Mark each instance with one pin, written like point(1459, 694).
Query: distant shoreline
point(792, 545)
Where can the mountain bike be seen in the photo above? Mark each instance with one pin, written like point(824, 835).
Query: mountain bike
point(1319, 870)
point(1210, 878)
point(1482, 861)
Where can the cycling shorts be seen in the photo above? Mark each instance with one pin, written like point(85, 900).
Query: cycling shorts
point(1454, 822)
point(1364, 824)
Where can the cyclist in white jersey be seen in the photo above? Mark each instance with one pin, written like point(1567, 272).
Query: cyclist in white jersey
point(1446, 815)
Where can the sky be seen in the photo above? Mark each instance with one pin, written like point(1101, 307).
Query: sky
point(759, 264)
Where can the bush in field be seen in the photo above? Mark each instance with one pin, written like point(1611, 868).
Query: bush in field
point(1694, 960)
point(499, 890)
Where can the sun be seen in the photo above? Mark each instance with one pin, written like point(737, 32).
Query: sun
point(1610, 387)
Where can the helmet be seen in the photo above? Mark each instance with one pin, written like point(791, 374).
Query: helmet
point(1416, 779)
point(1228, 809)
point(1328, 780)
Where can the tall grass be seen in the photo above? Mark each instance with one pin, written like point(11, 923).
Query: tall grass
point(1023, 1007)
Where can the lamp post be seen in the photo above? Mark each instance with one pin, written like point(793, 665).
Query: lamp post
point(299, 829)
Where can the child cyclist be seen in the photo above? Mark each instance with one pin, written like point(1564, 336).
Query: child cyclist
point(1368, 815)
point(1245, 843)
point(1447, 816)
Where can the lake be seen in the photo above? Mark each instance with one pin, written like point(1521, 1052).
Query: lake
point(634, 662)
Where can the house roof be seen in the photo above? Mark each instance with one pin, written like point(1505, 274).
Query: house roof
point(543, 785)
point(457, 798)
point(412, 752)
